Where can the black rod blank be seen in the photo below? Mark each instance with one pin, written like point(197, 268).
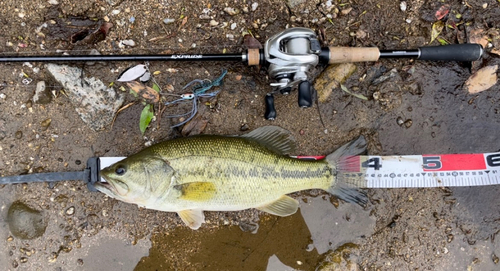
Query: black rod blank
point(72, 58)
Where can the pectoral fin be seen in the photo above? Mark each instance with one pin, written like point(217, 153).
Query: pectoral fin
point(192, 218)
point(283, 206)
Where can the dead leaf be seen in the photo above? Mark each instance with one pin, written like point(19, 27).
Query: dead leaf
point(482, 80)
point(442, 11)
point(251, 43)
point(149, 94)
point(184, 21)
point(170, 88)
point(437, 27)
point(194, 126)
point(478, 36)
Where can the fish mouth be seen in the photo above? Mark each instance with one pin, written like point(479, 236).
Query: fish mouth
point(104, 186)
point(111, 186)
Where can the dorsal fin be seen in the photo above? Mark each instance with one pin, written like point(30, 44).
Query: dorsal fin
point(274, 138)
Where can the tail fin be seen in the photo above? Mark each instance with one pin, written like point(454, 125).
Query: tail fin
point(348, 177)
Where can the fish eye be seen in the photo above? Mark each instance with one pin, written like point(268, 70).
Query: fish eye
point(120, 170)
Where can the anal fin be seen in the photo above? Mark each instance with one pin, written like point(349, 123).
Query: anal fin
point(284, 206)
point(193, 218)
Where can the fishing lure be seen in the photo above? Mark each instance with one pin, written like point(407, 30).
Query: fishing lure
point(198, 91)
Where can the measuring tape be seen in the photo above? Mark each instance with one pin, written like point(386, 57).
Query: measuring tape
point(436, 170)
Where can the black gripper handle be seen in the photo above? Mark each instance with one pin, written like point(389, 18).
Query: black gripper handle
point(270, 113)
point(305, 95)
point(452, 52)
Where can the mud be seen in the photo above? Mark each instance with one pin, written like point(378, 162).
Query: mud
point(413, 107)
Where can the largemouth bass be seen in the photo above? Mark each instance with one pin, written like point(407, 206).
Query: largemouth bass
point(228, 173)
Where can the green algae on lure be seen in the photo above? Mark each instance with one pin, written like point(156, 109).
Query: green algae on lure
point(228, 173)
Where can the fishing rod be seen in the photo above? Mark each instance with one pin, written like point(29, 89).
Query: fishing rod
point(289, 57)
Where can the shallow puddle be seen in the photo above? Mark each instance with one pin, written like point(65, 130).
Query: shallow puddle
point(280, 243)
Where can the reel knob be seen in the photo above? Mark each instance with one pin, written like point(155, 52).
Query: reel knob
point(305, 94)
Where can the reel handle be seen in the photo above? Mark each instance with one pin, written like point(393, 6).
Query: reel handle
point(305, 94)
point(270, 113)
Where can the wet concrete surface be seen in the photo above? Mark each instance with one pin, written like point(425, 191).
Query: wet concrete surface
point(400, 229)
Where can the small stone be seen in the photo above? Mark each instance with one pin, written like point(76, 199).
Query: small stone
point(400, 121)
point(408, 123)
point(233, 26)
point(53, 2)
point(115, 12)
point(45, 124)
point(485, 5)
point(360, 34)
point(130, 43)
point(346, 11)
point(3, 96)
point(106, 19)
point(79, 262)
point(23, 259)
point(230, 36)
point(402, 6)
point(255, 5)
point(15, 264)
point(231, 11)
point(244, 127)
point(70, 211)
point(18, 135)
point(245, 9)
point(213, 23)
point(53, 257)
point(168, 21)
point(494, 258)
point(21, 14)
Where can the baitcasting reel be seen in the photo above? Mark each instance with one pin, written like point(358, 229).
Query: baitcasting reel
point(291, 55)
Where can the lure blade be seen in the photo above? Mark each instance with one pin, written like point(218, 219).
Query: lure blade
point(132, 73)
point(145, 77)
